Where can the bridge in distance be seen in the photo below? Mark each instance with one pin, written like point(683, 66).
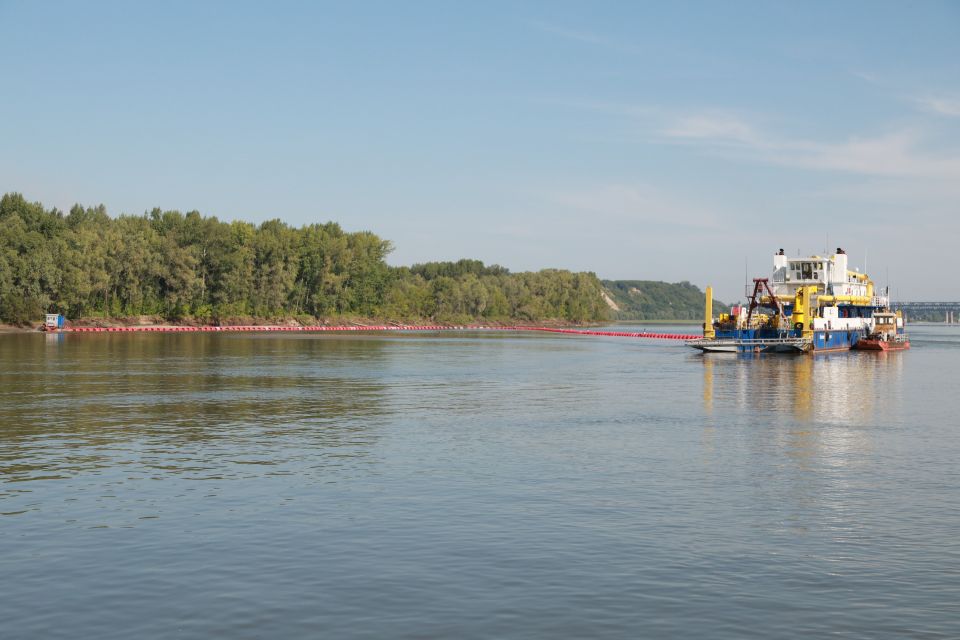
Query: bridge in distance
point(926, 306)
point(950, 311)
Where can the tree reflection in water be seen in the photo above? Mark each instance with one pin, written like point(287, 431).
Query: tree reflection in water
point(201, 406)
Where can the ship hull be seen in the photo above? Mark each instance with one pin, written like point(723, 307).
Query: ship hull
point(764, 341)
point(716, 348)
point(821, 342)
point(750, 342)
point(875, 344)
point(835, 340)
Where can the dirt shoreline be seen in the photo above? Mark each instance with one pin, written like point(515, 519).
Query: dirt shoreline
point(280, 322)
point(154, 321)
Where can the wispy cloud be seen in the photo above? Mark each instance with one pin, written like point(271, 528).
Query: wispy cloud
point(938, 104)
point(903, 152)
point(719, 128)
point(897, 154)
point(900, 195)
point(612, 108)
point(941, 105)
point(585, 37)
point(634, 204)
point(866, 76)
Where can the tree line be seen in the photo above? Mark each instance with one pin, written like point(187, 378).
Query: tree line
point(654, 300)
point(179, 266)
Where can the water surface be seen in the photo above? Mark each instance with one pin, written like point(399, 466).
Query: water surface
point(474, 485)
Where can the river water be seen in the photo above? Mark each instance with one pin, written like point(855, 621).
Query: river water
point(475, 485)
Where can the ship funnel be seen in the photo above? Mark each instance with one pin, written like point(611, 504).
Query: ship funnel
point(839, 267)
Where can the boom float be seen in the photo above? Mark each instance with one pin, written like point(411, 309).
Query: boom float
point(810, 304)
point(366, 328)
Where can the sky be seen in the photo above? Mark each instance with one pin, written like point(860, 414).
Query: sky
point(669, 141)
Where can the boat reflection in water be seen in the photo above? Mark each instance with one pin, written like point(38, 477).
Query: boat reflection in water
point(810, 405)
point(814, 421)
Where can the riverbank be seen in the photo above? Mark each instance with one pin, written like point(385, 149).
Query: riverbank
point(160, 324)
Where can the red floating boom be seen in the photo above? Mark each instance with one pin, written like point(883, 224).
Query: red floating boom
point(618, 334)
point(251, 328)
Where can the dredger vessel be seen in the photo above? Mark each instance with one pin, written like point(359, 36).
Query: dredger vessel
point(811, 304)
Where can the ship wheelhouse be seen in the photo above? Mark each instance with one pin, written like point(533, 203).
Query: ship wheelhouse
point(831, 276)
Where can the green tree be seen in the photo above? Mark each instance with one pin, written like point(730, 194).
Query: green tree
point(179, 265)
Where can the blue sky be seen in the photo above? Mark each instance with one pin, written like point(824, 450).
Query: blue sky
point(668, 141)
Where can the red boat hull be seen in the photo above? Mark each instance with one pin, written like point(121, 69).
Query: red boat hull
point(875, 344)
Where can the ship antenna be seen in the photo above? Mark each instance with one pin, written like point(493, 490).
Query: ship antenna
point(746, 275)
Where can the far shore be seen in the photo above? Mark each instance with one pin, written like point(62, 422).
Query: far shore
point(286, 322)
point(148, 321)
point(345, 322)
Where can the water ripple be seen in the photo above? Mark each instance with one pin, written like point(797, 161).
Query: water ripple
point(474, 486)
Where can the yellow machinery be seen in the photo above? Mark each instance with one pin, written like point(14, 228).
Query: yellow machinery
point(708, 331)
point(804, 309)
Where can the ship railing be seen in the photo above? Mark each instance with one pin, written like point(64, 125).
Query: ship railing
point(753, 342)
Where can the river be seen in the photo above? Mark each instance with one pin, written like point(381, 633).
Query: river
point(474, 485)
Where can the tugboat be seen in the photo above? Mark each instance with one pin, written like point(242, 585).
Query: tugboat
point(810, 305)
point(885, 335)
